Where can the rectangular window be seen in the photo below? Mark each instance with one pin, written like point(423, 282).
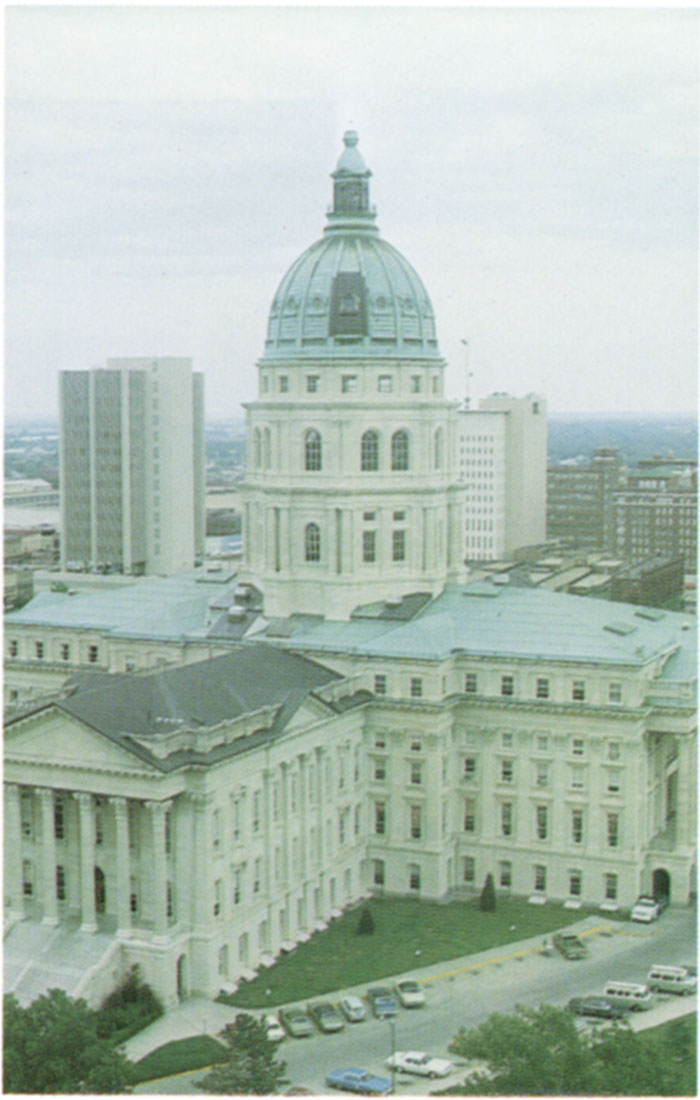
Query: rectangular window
point(507, 740)
point(577, 746)
point(613, 750)
point(506, 771)
point(540, 878)
point(378, 872)
point(542, 742)
point(257, 876)
point(65, 651)
point(384, 383)
point(610, 887)
point(169, 903)
point(506, 818)
point(578, 691)
point(577, 826)
point(380, 818)
point(349, 383)
point(614, 781)
point(399, 517)
point(217, 897)
point(575, 884)
point(380, 684)
point(615, 692)
point(415, 383)
point(416, 687)
point(284, 383)
point(507, 685)
point(416, 823)
point(93, 654)
point(542, 689)
point(379, 771)
point(312, 383)
point(416, 774)
point(99, 832)
point(470, 683)
point(398, 545)
point(613, 830)
point(505, 873)
point(39, 650)
point(237, 886)
point(60, 883)
point(13, 647)
point(27, 878)
point(416, 746)
point(577, 778)
point(216, 828)
point(256, 812)
point(369, 546)
point(413, 876)
point(380, 741)
point(58, 820)
point(541, 819)
point(369, 517)
point(469, 767)
point(468, 868)
point(542, 775)
point(469, 815)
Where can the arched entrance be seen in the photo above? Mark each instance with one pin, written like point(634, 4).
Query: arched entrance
point(100, 891)
point(661, 883)
point(181, 977)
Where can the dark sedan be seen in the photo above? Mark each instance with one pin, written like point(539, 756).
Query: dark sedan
point(598, 1006)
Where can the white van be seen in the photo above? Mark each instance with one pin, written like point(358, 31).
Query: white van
point(672, 979)
point(630, 994)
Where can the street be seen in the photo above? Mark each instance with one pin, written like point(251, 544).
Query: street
point(465, 995)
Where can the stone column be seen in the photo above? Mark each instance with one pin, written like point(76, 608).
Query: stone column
point(119, 805)
point(303, 803)
point(87, 863)
point(48, 855)
point(13, 851)
point(159, 894)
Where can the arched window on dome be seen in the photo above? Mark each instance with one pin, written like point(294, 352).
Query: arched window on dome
point(266, 449)
point(312, 542)
point(256, 449)
point(369, 451)
point(399, 450)
point(312, 450)
point(437, 455)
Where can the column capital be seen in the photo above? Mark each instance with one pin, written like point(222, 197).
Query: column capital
point(159, 807)
point(45, 794)
point(84, 800)
point(118, 803)
point(12, 788)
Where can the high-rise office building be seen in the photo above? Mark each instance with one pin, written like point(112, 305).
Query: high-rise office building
point(503, 464)
point(580, 502)
point(132, 466)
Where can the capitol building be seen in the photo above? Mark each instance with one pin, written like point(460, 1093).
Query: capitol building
point(201, 771)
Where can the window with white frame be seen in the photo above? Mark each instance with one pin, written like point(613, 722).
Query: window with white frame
point(577, 826)
point(416, 819)
point(613, 830)
point(578, 691)
point(505, 873)
point(413, 876)
point(470, 767)
point(615, 692)
point(613, 750)
point(469, 815)
point(540, 878)
point(506, 818)
point(610, 882)
point(575, 884)
point(468, 868)
point(541, 820)
point(542, 688)
point(506, 771)
point(577, 746)
point(470, 683)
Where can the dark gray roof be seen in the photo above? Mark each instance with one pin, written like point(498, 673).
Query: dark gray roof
point(202, 694)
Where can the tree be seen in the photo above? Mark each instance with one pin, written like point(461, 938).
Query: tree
point(252, 1065)
point(365, 925)
point(487, 901)
point(52, 1046)
point(539, 1052)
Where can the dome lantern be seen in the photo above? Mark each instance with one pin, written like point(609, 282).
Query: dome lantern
point(351, 180)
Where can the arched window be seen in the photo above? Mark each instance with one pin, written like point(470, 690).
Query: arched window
point(312, 542)
point(312, 450)
point(399, 451)
point(438, 449)
point(256, 448)
point(369, 451)
point(266, 449)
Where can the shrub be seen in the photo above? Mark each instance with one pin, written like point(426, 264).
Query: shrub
point(487, 901)
point(365, 925)
point(128, 1009)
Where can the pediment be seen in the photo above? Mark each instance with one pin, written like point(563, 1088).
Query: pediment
point(308, 713)
point(53, 737)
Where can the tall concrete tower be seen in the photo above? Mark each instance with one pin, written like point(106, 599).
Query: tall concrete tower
point(132, 466)
point(351, 493)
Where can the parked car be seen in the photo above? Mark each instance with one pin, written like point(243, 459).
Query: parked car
point(273, 1028)
point(633, 994)
point(597, 1006)
point(326, 1016)
point(410, 993)
point(296, 1022)
point(417, 1061)
point(359, 1080)
point(353, 1009)
point(570, 945)
point(382, 1001)
point(647, 908)
point(672, 979)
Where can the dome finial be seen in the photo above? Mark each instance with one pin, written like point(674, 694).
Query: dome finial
point(351, 186)
point(350, 138)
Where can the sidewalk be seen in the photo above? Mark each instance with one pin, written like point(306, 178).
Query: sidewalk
point(200, 1016)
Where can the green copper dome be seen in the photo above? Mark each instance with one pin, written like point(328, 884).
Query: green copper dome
point(351, 293)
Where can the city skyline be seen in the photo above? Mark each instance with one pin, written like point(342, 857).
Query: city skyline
point(538, 167)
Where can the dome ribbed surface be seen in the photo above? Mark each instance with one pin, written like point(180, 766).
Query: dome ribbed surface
point(351, 293)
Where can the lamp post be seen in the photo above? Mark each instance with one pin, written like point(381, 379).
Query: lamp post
point(392, 1032)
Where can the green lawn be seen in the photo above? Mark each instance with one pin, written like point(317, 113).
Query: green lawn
point(178, 1057)
point(408, 933)
point(678, 1040)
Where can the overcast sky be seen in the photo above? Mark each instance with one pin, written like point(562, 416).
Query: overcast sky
point(538, 167)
